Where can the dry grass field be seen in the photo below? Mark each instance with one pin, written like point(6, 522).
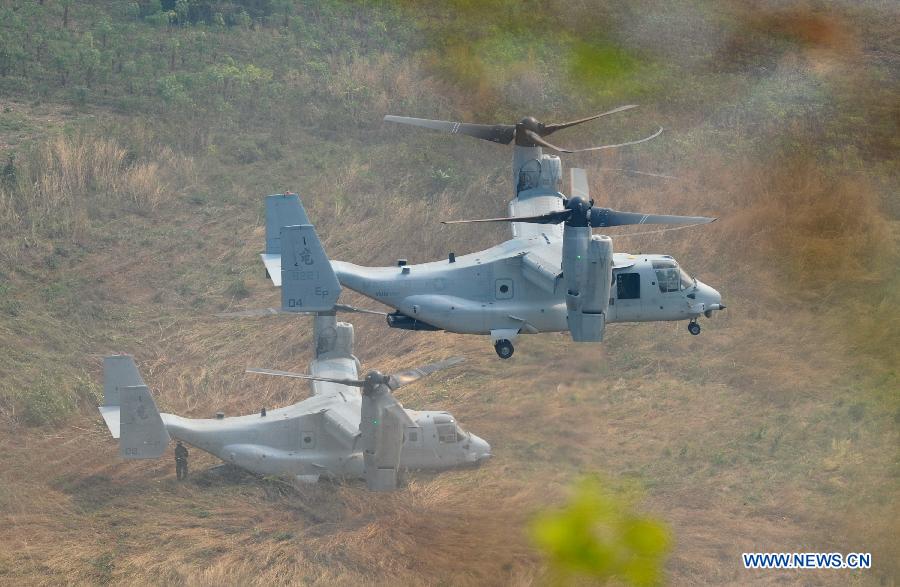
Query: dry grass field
point(775, 430)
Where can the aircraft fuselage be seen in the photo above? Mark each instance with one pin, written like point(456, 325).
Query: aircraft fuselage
point(500, 288)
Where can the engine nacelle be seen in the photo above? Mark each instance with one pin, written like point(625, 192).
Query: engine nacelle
point(530, 172)
point(599, 275)
point(587, 273)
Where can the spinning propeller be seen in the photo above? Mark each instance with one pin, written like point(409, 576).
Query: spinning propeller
point(373, 378)
point(272, 311)
point(528, 132)
point(382, 418)
point(579, 211)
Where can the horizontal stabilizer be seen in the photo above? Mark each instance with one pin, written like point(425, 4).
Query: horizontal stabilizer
point(111, 417)
point(273, 267)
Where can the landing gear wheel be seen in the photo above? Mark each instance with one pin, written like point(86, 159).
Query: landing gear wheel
point(694, 328)
point(504, 349)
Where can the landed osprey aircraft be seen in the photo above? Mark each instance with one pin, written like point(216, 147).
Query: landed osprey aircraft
point(350, 427)
point(547, 278)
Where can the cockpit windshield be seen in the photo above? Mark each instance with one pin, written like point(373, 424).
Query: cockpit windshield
point(671, 277)
point(461, 435)
point(686, 280)
point(451, 433)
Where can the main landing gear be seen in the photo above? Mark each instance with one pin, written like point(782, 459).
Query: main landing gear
point(694, 327)
point(504, 348)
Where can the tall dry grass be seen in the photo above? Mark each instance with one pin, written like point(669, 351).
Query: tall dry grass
point(64, 182)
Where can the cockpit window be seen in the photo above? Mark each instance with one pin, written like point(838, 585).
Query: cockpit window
point(668, 279)
point(461, 434)
point(686, 280)
point(668, 275)
point(447, 433)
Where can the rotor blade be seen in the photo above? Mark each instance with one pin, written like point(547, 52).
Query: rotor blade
point(635, 172)
point(496, 133)
point(256, 312)
point(350, 382)
point(536, 139)
point(398, 380)
point(606, 217)
point(354, 309)
point(551, 128)
point(273, 311)
point(578, 179)
point(601, 147)
point(554, 217)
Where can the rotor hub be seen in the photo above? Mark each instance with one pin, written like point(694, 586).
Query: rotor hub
point(375, 377)
point(531, 123)
point(581, 209)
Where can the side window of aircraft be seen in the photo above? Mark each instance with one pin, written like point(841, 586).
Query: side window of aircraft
point(413, 436)
point(447, 433)
point(628, 286)
point(503, 289)
point(308, 439)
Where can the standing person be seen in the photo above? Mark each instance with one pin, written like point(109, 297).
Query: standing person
point(181, 461)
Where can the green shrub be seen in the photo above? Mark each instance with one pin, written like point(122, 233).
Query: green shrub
point(598, 535)
point(87, 392)
point(46, 403)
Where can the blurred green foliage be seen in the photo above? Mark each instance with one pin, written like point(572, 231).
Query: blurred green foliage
point(46, 402)
point(598, 535)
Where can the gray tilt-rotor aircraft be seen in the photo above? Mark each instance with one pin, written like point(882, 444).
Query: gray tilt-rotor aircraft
point(553, 275)
point(349, 427)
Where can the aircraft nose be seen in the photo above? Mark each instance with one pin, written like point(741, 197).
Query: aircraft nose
point(479, 449)
point(710, 297)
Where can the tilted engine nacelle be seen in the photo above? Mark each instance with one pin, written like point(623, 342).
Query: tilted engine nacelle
point(587, 262)
point(381, 429)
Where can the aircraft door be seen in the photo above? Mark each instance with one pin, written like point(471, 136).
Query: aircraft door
point(666, 285)
point(627, 292)
point(414, 437)
point(414, 453)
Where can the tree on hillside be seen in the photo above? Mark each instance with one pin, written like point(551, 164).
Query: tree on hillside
point(66, 4)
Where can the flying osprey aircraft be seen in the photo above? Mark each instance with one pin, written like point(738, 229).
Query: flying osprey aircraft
point(350, 427)
point(553, 274)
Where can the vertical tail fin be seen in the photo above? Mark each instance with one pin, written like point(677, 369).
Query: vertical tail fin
point(129, 411)
point(118, 371)
point(308, 282)
point(144, 434)
point(282, 210)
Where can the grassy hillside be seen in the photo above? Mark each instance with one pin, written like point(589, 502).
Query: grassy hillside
point(138, 142)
